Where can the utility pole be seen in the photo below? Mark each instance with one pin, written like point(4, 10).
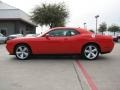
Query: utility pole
point(85, 27)
point(96, 17)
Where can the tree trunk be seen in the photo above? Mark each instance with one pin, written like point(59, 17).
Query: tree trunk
point(51, 26)
point(102, 33)
point(114, 33)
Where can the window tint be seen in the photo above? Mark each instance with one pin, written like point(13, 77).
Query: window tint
point(57, 33)
point(63, 32)
point(74, 32)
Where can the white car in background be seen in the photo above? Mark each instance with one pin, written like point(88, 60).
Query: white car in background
point(30, 35)
point(14, 36)
point(2, 38)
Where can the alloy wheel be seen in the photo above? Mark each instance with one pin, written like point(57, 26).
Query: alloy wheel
point(91, 52)
point(22, 52)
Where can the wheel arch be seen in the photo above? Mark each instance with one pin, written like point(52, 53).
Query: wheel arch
point(89, 43)
point(22, 44)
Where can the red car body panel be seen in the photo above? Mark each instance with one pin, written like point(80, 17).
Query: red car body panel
point(63, 45)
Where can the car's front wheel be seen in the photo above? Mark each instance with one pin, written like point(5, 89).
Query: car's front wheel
point(22, 52)
point(90, 52)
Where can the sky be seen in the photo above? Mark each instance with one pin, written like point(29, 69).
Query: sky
point(81, 11)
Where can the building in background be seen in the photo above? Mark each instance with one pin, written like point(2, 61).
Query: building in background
point(14, 21)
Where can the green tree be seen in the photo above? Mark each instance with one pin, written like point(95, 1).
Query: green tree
point(53, 15)
point(102, 27)
point(114, 28)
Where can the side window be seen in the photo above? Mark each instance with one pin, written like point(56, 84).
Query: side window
point(62, 32)
point(57, 33)
point(72, 32)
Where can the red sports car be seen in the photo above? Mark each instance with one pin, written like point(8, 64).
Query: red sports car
point(62, 40)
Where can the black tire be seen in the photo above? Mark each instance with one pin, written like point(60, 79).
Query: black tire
point(90, 52)
point(22, 52)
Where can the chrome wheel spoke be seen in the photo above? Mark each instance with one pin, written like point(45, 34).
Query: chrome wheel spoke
point(24, 49)
point(94, 50)
point(22, 55)
point(87, 51)
point(19, 52)
point(93, 54)
point(26, 54)
point(89, 55)
point(19, 48)
point(90, 48)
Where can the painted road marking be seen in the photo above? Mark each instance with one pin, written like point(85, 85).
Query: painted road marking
point(88, 78)
point(83, 82)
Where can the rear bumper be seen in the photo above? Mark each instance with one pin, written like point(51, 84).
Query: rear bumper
point(107, 48)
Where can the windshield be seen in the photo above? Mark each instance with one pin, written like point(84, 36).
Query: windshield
point(43, 33)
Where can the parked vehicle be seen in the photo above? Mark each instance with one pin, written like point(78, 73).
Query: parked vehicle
point(14, 36)
point(2, 38)
point(62, 40)
point(116, 38)
point(30, 35)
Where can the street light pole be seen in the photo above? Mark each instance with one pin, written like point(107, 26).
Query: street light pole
point(84, 25)
point(96, 17)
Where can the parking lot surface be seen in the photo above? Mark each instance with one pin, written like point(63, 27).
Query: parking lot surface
point(60, 72)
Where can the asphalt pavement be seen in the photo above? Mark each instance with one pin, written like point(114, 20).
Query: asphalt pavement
point(60, 72)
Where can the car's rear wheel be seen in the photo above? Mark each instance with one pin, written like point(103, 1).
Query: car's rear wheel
point(22, 52)
point(90, 52)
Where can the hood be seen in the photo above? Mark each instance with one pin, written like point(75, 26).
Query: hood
point(22, 38)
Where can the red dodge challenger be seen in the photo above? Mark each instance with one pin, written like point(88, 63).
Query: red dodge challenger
point(62, 40)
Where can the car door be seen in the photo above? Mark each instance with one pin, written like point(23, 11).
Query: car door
point(71, 42)
point(52, 42)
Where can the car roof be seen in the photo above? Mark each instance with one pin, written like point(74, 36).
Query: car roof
point(81, 30)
